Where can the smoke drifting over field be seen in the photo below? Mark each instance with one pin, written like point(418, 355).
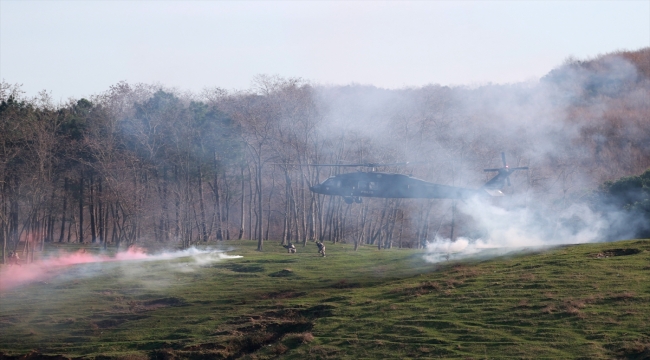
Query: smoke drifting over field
point(561, 128)
point(582, 124)
point(510, 230)
point(54, 268)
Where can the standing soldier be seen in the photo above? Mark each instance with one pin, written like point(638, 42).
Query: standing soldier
point(321, 248)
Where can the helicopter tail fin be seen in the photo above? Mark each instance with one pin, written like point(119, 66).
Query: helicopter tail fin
point(494, 185)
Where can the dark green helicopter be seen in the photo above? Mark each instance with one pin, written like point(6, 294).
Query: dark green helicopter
point(353, 186)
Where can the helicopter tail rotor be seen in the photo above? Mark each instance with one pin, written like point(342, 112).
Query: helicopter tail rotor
point(503, 175)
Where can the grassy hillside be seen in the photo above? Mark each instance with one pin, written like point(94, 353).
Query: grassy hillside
point(586, 301)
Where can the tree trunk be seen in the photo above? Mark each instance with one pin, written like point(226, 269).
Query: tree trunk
point(80, 239)
point(4, 226)
point(91, 210)
point(242, 209)
point(453, 220)
point(204, 232)
point(217, 199)
point(65, 205)
point(260, 216)
point(401, 228)
point(251, 197)
point(268, 215)
point(100, 211)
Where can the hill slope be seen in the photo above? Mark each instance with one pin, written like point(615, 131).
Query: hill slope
point(588, 301)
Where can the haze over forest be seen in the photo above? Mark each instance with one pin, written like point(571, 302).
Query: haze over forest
point(147, 163)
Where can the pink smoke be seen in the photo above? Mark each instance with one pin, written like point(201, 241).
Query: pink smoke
point(41, 270)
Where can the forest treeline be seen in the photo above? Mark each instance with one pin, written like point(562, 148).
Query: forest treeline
point(145, 163)
point(630, 194)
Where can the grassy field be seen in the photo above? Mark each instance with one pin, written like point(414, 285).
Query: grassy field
point(585, 301)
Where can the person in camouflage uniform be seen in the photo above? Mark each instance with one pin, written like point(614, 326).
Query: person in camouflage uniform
point(291, 248)
point(321, 248)
point(14, 259)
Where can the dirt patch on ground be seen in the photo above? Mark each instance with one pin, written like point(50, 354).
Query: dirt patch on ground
point(286, 294)
point(34, 355)
point(465, 271)
point(344, 284)
point(134, 308)
point(283, 273)
point(635, 350)
point(615, 252)
point(162, 303)
point(109, 323)
point(245, 268)
point(115, 320)
point(273, 332)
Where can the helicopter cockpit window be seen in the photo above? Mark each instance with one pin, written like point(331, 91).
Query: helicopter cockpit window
point(333, 183)
point(362, 185)
point(373, 185)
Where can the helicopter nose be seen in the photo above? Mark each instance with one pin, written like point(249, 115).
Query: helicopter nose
point(315, 188)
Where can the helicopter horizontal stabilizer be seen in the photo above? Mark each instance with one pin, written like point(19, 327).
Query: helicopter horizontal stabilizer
point(494, 192)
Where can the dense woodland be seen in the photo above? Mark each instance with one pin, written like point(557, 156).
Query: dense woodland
point(146, 163)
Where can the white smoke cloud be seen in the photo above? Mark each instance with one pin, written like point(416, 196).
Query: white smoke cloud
point(509, 230)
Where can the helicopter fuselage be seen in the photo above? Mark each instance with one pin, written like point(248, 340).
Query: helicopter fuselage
point(353, 186)
point(388, 185)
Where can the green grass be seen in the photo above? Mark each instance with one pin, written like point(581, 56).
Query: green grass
point(585, 301)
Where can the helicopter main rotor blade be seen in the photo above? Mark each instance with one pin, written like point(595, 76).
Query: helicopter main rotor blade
point(386, 164)
point(510, 169)
point(346, 165)
point(369, 165)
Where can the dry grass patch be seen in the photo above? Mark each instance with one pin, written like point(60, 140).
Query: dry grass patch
point(423, 288)
point(523, 303)
point(283, 294)
point(626, 295)
point(299, 338)
point(280, 349)
point(465, 271)
point(638, 349)
point(452, 283)
point(615, 252)
point(528, 277)
point(549, 309)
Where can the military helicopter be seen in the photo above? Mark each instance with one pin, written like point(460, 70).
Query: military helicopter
point(353, 186)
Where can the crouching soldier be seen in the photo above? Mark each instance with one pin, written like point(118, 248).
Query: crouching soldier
point(291, 248)
point(14, 259)
point(321, 248)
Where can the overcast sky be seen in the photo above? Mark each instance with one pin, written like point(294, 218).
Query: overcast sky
point(80, 48)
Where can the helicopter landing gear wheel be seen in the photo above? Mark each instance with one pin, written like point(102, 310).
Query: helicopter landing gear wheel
point(357, 199)
point(348, 200)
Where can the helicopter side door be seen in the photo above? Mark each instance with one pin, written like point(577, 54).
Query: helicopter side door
point(367, 188)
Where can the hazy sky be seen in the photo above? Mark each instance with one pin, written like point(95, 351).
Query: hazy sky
point(79, 48)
